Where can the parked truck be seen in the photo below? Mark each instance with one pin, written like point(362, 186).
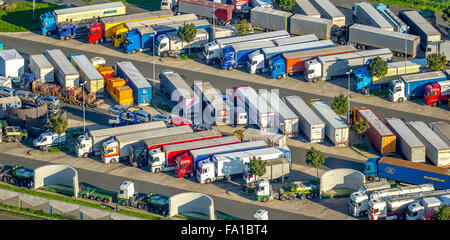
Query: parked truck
point(442, 129)
point(442, 47)
point(357, 204)
point(215, 109)
point(65, 72)
point(381, 137)
point(437, 150)
point(310, 124)
point(407, 143)
point(394, 20)
point(276, 169)
point(411, 85)
point(333, 66)
point(270, 19)
point(153, 202)
point(220, 13)
point(236, 55)
point(42, 69)
point(270, 138)
point(89, 76)
point(437, 92)
point(142, 90)
point(170, 44)
point(49, 139)
point(365, 13)
point(290, 191)
point(305, 7)
point(420, 27)
point(336, 129)
point(329, 11)
point(301, 24)
point(406, 171)
point(424, 207)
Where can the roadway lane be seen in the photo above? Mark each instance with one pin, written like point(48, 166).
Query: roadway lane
point(11, 217)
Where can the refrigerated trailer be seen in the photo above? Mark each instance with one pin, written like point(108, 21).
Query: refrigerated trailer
point(365, 13)
point(236, 55)
point(295, 39)
point(215, 109)
point(310, 124)
point(89, 75)
point(329, 11)
point(42, 69)
point(305, 7)
point(419, 26)
point(442, 129)
point(407, 143)
point(65, 72)
point(336, 129)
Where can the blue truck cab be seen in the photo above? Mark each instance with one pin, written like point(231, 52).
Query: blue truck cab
point(277, 67)
point(48, 23)
point(371, 167)
point(136, 40)
point(228, 60)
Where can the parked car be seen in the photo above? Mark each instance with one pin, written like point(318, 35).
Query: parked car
point(6, 91)
point(50, 100)
point(143, 116)
point(201, 127)
point(162, 117)
point(180, 121)
point(26, 96)
point(116, 109)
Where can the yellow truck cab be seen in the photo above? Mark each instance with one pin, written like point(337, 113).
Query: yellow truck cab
point(118, 36)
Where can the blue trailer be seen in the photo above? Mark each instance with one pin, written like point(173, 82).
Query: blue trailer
point(407, 171)
point(236, 55)
point(142, 90)
point(411, 85)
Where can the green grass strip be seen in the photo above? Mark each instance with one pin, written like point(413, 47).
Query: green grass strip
point(35, 212)
point(20, 215)
point(435, 5)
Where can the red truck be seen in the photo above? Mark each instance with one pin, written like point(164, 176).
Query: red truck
point(382, 138)
point(436, 93)
point(223, 13)
point(95, 34)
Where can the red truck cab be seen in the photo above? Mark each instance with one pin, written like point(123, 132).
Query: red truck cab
point(436, 93)
point(184, 166)
point(95, 34)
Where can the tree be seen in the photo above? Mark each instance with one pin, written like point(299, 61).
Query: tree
point(88, 2)
point(315, 158)
point(187, 34)
point(59, 126)
point(243, 27)
point(285, 4)
point(443, 213)
point(361, 126)
point(377, 67)
point(446, 14)
point(340, 104)
point(436, 62)
point(258, 167)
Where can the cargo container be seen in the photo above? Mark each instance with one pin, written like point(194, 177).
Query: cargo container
point(365, 13)
point(117, 89)
point(329, 11)
point(301, 24)
point(442, 47)
point(392, 18)
point(12, 64)
point(305, 7)
point(236, 55)
point(295, 62)
point(437, 150)
point(329, 67)
point(179, 92)
point(407, 143)
point(336, 129)
point(271, 19)
point(203, 8)
point(106, 71)
point(42, 68)
point(381, 137)
point(442, 129)
point(89, 76)
point(271, 139)
point(400, 43)
point(407, 171)
point(170, 44)
point(419, 26)
point(285, 119)
point(119, 147)
point(65, 72)
point(142, 90)
point(310, 124)
point(215, 109)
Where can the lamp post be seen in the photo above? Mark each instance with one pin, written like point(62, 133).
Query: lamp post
point(348, 95)
point(84, 110)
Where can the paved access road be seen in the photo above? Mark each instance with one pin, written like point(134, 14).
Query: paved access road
point(11, 217)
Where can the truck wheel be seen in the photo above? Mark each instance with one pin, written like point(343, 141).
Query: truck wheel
point(105, 200)
point(133, 51)
point(244, 188)
point(283, 197)
point(165, 54)
point(85, 155)
point(279, 76)
point(123, 203)
point(113, 160)
point(17, 139)
point(302, 196)
point(401, 100)
point(229, 68)
point(84, 196)
point(140, 206)
point(48, 33)
point(12, 181)
point(98, 199)
point(92, 197)
point(362, 214)
point(265, 199)
point(208, 181)
point(157, 170)
point(66, 38)
point(96, 41)
point(258, 71)
point(435, 104)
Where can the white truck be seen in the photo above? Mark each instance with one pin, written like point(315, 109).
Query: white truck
point(225, 166)
point(49, 139)
point(42, 69)
point(310, 124)
point(426, 206)
point(442, 129)
point(170, 44)
point(276, 169)
point(65, 72)
point(91, 142)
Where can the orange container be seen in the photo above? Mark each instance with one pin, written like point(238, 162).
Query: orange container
point(114, 82)
point(123, 92)
point(106, 71)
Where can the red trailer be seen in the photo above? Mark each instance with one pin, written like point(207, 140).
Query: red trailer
point(223, 13)
point(154, 143)
point(382, 138)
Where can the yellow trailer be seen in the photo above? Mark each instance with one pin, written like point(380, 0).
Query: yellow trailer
point(403, 67)
point(96, 11)
point(88, 74)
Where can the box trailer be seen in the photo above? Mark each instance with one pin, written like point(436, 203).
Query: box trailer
point(12, 64)
point(438, 151)
point(336, 129)
point(275, 169)
point(42, 69)
point(301, 24)
point(442, 129)
point(329, 11)
point(236, 55)
point(365, 13)
point(392, 18)
point(179, 92)
point(219, 12)
point(270, 138)
point(142, 90)
point(65, 72)
point(407, 143)
point(381, 137)
point(442, 47)
point(295, 39)
point(154, 143)
point(89, 75)
point(268, 18)
point(310, 124)
point(419, 26)
point(305, 7)
point(215, 109)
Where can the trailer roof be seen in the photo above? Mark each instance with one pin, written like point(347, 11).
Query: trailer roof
point(409, 164)
point(63, 62)
point(248, 153)
point(96, 132)
point(208, 3)
point(311, 19)
point(328, 113)
point(344, 56)
point(41, 61)
point(443, 127)
point(278, 105)
point(176, 26)
point(252, 45)
point(308, 46)
point(380, 31)
point(409, 63)
point(375, 121)
point(300, 107)
point(212, 95)
point(374, 15)
point(328, 50)
point(161, 21)
point(400, 128)
point(307, 7)
point(182, 137)
point(10, 54)
point(151, 134)
point(135, 76)
point(89, 8)
point(329, 8)
point(271, 11)
point(86, 66)
point(296, 39)
point(202, 143)
point(428, 134)
point(251, 37)
point(421, 22)
point(180, 83)
point(137, 16)
point(423, 76)
point(227, 148)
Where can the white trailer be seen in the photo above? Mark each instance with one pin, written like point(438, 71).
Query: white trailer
point(437, 150)
point(429, 205)
point(441, 47)
point(224, 32)
point(357, 204)
point(336, 129)
point(12, 64)
point(305, 7)
point(65, 72)
point(301, 24)
point(408, 144)
point(271, 139)
point(275, 169)
point(329, 11)
point(268, 18)
point(89, 75)
point(42, 69)
point(76, 14)
point(418, 25)
point(215, 109)
point(442, 129)
point(295, 39)
point(170, 44)
point(310, 124)
point(365, 13)
point(179, 92)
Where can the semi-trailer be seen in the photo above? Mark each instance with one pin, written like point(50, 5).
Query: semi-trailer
point(437, 92)
point(262, 3)
point(357, 203)
point(296, 62)
point(220, 13)
point(259, 61)
point(437, 150)
point(420, 27)
point(365, 13)
point(285, 119)
point(394, 20)
point(91, 142)
point(215, 109)
point(269, 19)
point(411, 85)
point(381, 137)
point(236, 55)
point(170, 44)
point(153, 202)
point(305, 7)
point(277, 168)
point(52, 21)
point(329, 11)
point(442, 47)
point(407, 172)
point(65, 72)
point(442, 129)
point(310, 124)
point(241, 7)
point(270, 138)
point(178, 91)
point(301, 24)
point(407, 143)
point(295, 39)
point(142, 90)
point(426, 208)
point(213, 50)
point(336, 129)
point(42, 69)
point(119, 91)
point(89, 76)
point(329, 67)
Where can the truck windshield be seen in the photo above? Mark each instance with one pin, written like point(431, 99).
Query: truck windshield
point(392, 86)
